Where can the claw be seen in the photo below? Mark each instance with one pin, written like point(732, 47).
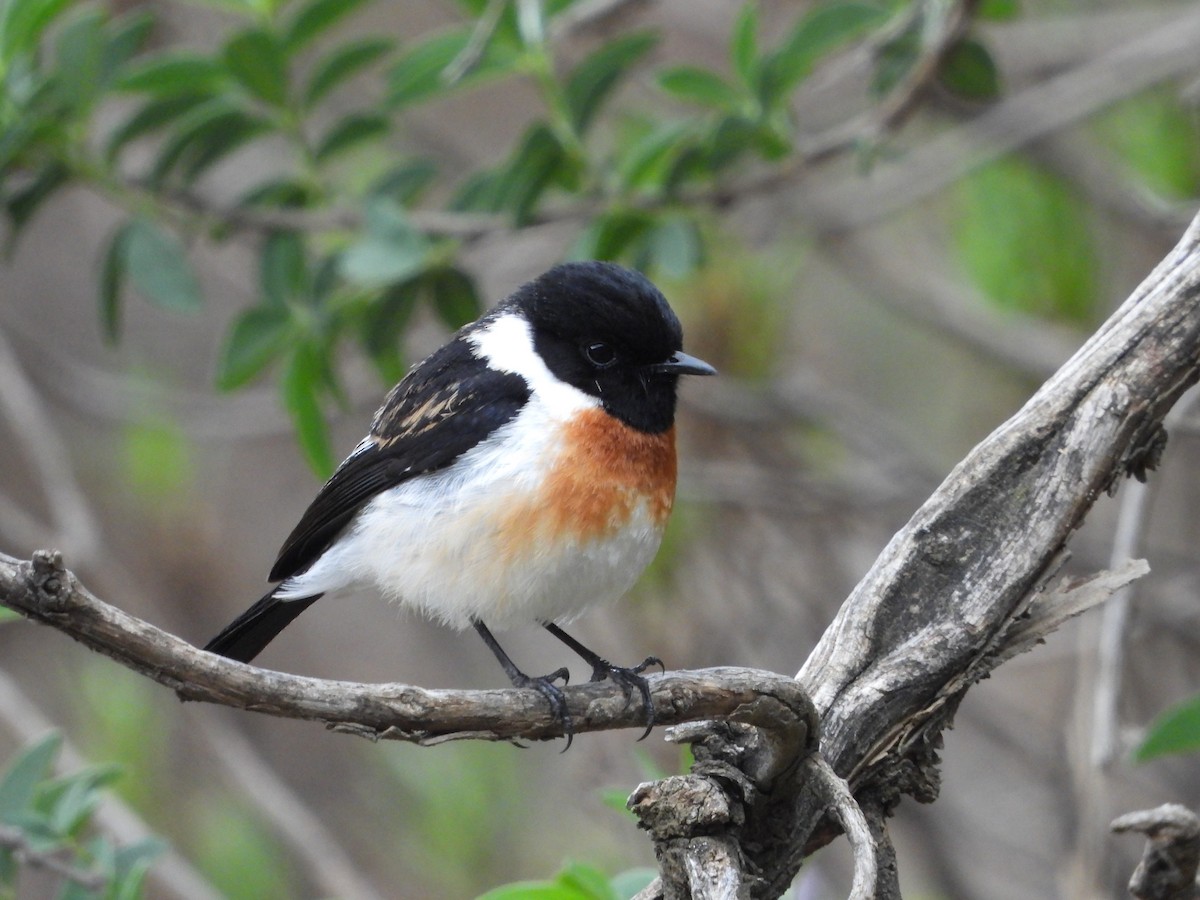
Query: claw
point(628, 678)
point(544, 685)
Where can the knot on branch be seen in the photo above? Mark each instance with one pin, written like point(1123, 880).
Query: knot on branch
point(48, 582)
point(1170, 861)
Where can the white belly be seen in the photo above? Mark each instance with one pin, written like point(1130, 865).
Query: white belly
point(464, 545)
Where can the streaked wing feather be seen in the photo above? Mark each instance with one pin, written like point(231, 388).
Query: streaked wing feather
point(442, 409)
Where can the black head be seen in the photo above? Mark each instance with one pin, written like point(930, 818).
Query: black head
point(609, 332)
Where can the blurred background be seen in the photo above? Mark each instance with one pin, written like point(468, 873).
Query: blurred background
point(919, 231)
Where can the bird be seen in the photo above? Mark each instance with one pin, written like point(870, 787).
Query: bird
point(520, 474)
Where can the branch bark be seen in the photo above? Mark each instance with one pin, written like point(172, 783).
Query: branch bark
point(43, 590)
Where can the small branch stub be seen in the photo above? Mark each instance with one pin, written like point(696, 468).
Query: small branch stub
point(1169, 863)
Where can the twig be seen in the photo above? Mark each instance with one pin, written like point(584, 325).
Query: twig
point(1135, 63)
point(941, 24)
point(13, 840)
point(845, 809)
point(43, 590)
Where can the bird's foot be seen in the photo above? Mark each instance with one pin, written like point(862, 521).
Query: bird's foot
point(628, 678)
point(545, 685)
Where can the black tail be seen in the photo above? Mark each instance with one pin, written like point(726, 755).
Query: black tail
point(244, 637)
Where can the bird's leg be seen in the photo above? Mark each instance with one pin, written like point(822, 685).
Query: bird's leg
point(627, 677)
point(543, 684)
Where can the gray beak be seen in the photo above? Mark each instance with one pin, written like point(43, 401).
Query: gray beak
point(682, 364)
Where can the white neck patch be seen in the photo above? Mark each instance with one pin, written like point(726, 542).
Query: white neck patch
point(506, 345)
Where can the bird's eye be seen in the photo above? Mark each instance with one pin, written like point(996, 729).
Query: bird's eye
point(600, 354)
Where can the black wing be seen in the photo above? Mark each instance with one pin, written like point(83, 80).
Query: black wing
point(441, 409)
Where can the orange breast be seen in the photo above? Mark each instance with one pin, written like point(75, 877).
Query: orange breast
point(604, 473)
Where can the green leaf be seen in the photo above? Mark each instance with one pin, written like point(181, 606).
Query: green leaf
point(206, 132)
point(212, 144)
point(821, 31)
point(174, 74)
point(894, 60)
point(743, 43)
point(405, 182)
point(354, 129)
point(701, 86)
point(259, 336)
point(969, 71)
point(23, 203)
point(158, 267)
point(69, 800)
point(131, 865)
point(1175, 731)
point(20, 781)
point(392, 249)
point(588, 880)
point(516, 186)
point(79, 54)
point(314, 19)
point(420, 73)
point(15, 139)
point(283, 268)
point(155, 114)
point(241, 7)
point(1025, 239)
point(112, 280)
point(383, 325)
point(256, 60)
point(126, 36)
point(594, 79)
point(343, 63)
point(277, 192)
point(998, 10)
point(22, 23)
point(455, 298)
point(1158, 139)
point(691, 162)
point(610, 234)
point(733, 136)
point(301, 384)
point(534, 890)
point(645, 161)
point(534, 166)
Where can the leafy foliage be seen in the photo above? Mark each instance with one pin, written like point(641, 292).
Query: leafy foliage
point(44, 815)
point(358, 258)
